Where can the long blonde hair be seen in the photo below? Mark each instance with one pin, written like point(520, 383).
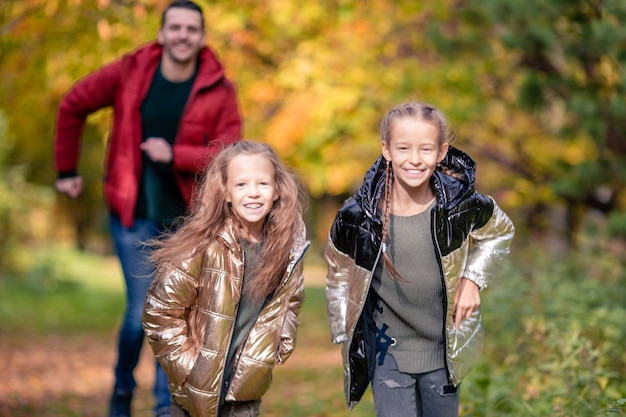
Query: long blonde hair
point(417, 111)
point(209, 212)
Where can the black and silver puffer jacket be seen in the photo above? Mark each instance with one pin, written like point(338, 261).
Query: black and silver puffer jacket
point(471, 235)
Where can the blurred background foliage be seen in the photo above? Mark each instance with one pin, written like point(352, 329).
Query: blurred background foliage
point(535, 90)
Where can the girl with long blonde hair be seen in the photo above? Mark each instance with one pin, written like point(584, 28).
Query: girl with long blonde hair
point(223, 307)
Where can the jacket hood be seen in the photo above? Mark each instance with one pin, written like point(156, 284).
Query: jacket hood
point(451, 182)
point(454, 178)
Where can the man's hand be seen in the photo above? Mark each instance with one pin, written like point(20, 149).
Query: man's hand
point(158, 150)
point(72, 186)
point(466, 301)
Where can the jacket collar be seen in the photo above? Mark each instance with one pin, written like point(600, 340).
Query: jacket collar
point(210, 70)
point(454, 179)
point(228, 238)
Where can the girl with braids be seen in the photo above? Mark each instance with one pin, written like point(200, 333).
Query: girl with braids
point(407, 257)
point(223, 307)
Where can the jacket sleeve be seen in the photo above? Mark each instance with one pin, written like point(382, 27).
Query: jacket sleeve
point(168, 299)
point(193, 158)
point(337, 285)
point(91, 93)
point(488, 246)
point(290, 324)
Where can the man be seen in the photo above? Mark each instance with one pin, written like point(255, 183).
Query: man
point(173, 110)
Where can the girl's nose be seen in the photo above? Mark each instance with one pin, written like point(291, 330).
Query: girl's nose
point(254, 191)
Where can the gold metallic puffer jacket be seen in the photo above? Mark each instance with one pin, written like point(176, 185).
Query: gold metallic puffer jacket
point(189, 316)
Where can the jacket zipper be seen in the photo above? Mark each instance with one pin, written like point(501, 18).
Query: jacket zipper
point(290, 268)
point(224, 386)
point(445, 291)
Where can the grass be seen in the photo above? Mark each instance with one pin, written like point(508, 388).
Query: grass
point(554, 342)
point(64, 293)
point(311, 382)
point(71, 298)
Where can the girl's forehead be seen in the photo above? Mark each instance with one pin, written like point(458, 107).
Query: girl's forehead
point(249, 158)
point(413, 120)
point(409, 126)
point(246, 163)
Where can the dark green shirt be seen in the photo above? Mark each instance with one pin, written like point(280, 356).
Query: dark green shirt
point(159, 197)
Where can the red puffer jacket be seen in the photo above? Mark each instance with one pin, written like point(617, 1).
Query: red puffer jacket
point(210, 121)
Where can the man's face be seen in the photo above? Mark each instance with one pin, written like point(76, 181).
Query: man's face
point(182, 35)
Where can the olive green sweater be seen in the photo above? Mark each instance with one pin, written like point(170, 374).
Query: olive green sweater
point(413, 310)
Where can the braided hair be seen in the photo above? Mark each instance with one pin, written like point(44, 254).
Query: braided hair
point(386, 212)
point(418, 111)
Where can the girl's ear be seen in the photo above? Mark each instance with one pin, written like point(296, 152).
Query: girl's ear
point(385, 150)
point(227, 198)
point(276, 196)
point(443, 150)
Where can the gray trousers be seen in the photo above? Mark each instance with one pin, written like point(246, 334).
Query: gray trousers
point(397, 394)
point(235, 409)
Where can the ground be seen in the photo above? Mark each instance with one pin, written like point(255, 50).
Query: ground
point(60, 375)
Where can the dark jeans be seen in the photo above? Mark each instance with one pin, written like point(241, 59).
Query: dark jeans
point(397, 394)
point(138, 275)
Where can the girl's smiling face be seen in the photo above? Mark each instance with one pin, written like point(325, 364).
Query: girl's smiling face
point(251, 190)
point(414, 151)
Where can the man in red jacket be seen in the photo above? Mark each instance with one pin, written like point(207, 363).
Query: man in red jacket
point(173, 111)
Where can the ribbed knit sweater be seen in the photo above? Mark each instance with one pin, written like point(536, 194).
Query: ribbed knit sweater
point(413, 310)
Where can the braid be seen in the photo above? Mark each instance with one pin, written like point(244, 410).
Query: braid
point(388, 182)
point(386, 212)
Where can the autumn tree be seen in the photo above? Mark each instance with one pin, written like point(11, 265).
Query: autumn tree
point(566, 61)
point(534, 90)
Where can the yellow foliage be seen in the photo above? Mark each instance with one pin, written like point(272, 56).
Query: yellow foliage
point(61, 84)
point(139, 11)
point(262, 92)
point(104, 29)
point(340, 174)
point(51, 7)
point(609, 72)
point(288, 127)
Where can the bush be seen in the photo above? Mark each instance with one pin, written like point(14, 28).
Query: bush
point(24, 207)
point(555, 335)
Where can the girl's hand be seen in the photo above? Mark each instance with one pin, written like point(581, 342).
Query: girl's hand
point(466, 301)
